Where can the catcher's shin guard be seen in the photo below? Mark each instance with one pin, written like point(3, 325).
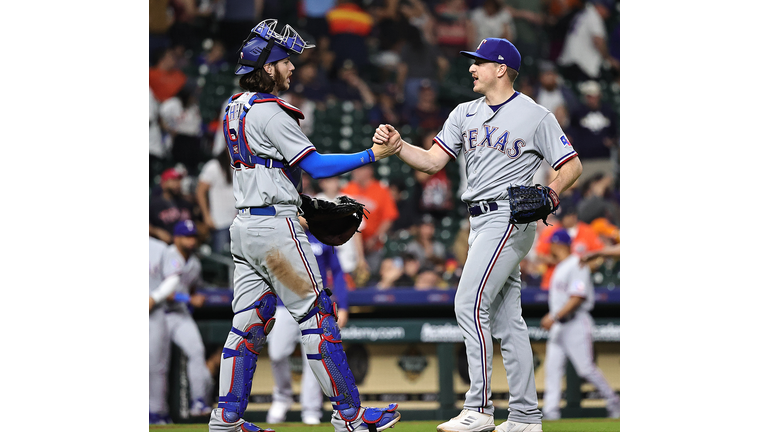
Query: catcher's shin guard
point(246, 354)
point(321, 321)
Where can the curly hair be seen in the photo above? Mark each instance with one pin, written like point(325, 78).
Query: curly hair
point(257, 80)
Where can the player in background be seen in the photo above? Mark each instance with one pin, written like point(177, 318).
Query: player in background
point(174, 275)
point(571, 297)
point(271, 252)
point(504, 137)
point(284, 336)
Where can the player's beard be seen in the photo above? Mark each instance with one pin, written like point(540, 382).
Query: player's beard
point(281, 81)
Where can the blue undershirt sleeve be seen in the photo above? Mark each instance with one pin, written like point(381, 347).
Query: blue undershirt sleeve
point(330, 165)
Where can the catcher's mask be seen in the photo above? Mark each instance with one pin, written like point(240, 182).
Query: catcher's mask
point(264, 45)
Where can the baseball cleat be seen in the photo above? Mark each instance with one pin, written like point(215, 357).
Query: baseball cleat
point(199, 408)
point(277, 412)
point(468, 421)
point(613, 408)
point(311, 420)
point(218, 424)
point(367, 419)
point(159, 419)
point(510, 426)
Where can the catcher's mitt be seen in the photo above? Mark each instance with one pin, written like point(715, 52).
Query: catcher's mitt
point(531, 203)
point(333, 222)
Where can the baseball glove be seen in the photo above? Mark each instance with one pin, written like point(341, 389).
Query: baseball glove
point(531, 203)
point(333, 222)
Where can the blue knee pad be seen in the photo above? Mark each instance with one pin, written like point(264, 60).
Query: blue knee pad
point(332, 354)
point(247, 354)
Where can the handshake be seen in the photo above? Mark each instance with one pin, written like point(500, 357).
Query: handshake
point(386, 142)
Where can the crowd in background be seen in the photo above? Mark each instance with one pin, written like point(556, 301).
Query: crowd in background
point(396, 62)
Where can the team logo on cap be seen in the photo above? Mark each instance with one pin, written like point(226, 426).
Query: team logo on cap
point(481, 44)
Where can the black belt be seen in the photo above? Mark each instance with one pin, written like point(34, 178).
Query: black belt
point(477, 210)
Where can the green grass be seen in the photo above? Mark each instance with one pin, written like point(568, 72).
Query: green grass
point(565, 425)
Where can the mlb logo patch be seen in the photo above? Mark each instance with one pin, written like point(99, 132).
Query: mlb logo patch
point(564, 140)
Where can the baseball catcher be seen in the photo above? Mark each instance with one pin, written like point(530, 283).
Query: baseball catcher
point(531, 203)
point(333, 222)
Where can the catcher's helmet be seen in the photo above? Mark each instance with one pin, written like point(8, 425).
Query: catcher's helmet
point(264, 45)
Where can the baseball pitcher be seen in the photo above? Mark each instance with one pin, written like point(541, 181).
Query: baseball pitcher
point(504, 137)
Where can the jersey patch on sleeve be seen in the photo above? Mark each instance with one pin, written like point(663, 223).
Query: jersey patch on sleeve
point(565, 141)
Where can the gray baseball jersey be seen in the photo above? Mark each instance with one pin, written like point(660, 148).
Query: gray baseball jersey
point(568, 279)
point(572, 338)
point(156, 251)
point(188, 270)
point(270, 133)
point(503, 147)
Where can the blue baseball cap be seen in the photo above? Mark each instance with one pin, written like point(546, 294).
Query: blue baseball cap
point(496, 50)
point(560, 236)
point(185, 228)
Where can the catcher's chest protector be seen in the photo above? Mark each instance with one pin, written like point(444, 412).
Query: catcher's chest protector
point(240, 153)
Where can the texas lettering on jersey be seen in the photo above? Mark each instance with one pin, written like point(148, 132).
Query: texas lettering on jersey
point(499, 142)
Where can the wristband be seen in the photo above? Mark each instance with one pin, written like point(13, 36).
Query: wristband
point(371, 157)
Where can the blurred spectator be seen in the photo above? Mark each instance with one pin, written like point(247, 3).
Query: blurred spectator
point(433, 191)
point(165, 77)
point(168, 207)
point(594, 125)
point(585, 47)
point(181, 118)
point(296, 98)
point(216, 200)
point(554, 96)
point(426, 113)
point(491, 20)
point(453, 27)
point(460, 247)
point(316, 25)
point(560, 14)
point(418, 15)
point(584, 239)
point(383, 212)
point(596, 203)
point(159, 23)
point(387, 37)
point(213, 57)
point(407, 205)
point(157, 148)
point(349, 86)
point(398, 272)
point(528, 20)
point(428, 279)
point(348, 26)
point(420, 63)
point(311, 81)
point(239, 17)
point(352, 253)
point(183, 32)
point(385, 110)
point(423, 246)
